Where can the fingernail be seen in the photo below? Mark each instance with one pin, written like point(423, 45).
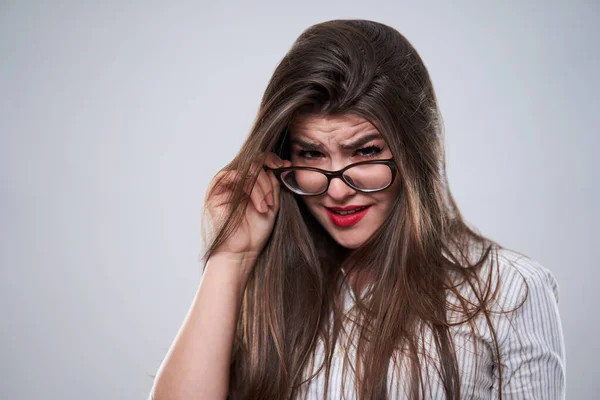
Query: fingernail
point(279, 162)
point(270, 199)
point(263, 206)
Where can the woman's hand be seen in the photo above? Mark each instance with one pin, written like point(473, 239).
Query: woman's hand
point(251, 236)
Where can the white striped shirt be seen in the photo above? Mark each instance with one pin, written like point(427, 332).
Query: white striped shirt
point(530, 340)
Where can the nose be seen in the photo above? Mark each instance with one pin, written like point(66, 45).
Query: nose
point(339, 190)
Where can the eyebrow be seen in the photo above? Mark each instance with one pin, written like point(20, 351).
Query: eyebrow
point(357, 144)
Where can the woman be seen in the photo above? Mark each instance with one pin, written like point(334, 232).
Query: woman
point(338, 264)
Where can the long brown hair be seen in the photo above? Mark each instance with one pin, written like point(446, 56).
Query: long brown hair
point(370, 70)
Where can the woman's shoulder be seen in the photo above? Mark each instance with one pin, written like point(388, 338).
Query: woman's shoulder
point(521, 303)
point(507, 274)
point(512, 262)
point(520, 276)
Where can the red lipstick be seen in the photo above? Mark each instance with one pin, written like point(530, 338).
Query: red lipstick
point(349, 219)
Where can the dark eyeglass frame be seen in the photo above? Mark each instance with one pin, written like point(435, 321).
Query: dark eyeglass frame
point(334, 174)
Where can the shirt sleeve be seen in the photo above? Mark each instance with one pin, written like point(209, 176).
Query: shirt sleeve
point(531, 340)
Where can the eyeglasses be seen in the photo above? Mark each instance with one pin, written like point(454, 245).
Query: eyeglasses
point(364, 176)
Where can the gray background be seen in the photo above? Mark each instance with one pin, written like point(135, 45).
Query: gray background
point(114, 118)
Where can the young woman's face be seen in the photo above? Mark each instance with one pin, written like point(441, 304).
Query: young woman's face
point(316, 142)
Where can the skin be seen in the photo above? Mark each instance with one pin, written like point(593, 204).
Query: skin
point(330, 131)
point(197, 364)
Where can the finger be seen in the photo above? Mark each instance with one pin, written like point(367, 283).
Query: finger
point(267, 187)
point(276, 184)
point(258, 199)
point(225, 182)
point(273, 161)
point(276, 189)
point(265, 182)
point(261, 183)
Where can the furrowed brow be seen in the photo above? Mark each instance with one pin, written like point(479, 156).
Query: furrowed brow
point(306, 145)
point(344, 146)
point(357, 144)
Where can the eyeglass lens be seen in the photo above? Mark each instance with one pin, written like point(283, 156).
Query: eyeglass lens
point(366, 176)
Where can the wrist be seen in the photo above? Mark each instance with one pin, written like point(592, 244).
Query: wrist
point(236, 259)
point(237, 265)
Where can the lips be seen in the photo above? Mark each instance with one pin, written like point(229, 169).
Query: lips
point(345, 208)
point(346, 220)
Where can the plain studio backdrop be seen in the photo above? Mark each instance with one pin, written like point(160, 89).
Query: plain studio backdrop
point(114, 118)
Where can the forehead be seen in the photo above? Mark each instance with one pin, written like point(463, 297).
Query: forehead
point(329, 128)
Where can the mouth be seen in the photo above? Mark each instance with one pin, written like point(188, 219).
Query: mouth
point(347, 216)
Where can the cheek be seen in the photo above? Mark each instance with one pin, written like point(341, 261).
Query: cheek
point(386, 199)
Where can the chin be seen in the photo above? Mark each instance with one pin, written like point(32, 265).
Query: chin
point(349, 240)
point(351, 246)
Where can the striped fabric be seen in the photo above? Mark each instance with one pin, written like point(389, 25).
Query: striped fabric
point(530, 339)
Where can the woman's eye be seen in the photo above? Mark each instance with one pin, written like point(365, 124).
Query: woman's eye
point(370, 151)
point(309, 154)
